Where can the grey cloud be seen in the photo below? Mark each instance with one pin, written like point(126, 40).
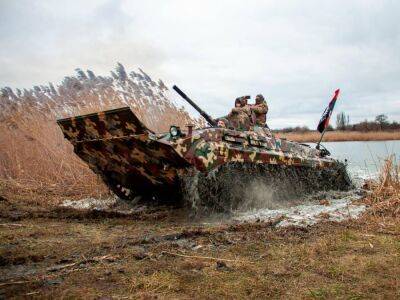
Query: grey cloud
point(296, 53)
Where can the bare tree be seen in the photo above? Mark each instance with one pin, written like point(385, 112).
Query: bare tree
point(342, 121)
point(381, 119)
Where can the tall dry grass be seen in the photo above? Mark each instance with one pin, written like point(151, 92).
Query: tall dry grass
point(385, 196)
point(341, 136)
point(34, 156)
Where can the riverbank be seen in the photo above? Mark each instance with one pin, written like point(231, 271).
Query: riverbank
point(341, 136)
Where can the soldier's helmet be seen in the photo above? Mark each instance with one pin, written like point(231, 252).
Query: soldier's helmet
point(259, 99)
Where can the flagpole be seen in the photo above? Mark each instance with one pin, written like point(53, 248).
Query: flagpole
point(326, 116)
point(320, 140)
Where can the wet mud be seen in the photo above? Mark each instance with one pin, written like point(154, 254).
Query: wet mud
point(244, 186)
point(249, 193)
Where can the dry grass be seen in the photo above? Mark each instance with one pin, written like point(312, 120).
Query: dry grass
point(341, 136)
point(34, 156)
point(77, 256)
point(385, 196)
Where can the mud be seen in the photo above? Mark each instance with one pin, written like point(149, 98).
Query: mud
point(246, 192)
point(244, 186)
point(323, 206)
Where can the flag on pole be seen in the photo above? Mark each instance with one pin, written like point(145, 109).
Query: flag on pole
point(324, 122)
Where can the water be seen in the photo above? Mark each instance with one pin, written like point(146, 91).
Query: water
point(308, 213)
point(364, 161)
point(364, 158)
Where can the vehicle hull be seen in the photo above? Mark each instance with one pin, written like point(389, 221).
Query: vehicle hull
point(134, 161)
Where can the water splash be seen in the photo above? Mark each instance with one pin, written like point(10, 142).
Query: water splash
point(308, 213)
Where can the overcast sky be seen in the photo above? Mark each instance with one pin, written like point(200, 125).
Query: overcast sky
point(296, 53)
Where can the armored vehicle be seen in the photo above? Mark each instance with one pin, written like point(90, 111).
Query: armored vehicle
point(211, 167)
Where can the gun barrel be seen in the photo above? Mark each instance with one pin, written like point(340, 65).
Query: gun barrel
point(210, 120)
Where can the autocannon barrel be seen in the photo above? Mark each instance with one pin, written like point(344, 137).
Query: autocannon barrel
point(210, 120)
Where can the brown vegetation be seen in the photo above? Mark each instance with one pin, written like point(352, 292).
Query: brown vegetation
point(33, 153)
point(53, 253)
point(341, 136)
point(385, 196)
point(34, 156)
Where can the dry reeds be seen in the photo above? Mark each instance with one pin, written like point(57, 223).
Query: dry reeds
point(385, 197)
point(341, 136)
point(35, 157)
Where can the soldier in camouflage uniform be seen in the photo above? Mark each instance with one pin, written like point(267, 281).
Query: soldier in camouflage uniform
point(222, 122)
point(260, 110)
point(240, 116)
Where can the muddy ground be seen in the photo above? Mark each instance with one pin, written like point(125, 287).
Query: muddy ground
point(157, 252)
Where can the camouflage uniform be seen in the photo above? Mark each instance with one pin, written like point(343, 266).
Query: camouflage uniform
point(240, 117)
point(260, 110)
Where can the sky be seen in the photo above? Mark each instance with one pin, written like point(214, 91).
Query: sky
point(295, 53)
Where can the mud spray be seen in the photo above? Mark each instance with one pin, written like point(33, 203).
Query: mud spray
point(242, 186)
point(246, 192)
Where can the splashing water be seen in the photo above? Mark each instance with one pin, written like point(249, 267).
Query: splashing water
point(364, 162)
point(331, 205)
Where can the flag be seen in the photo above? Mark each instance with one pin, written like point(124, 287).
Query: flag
point(324, 122)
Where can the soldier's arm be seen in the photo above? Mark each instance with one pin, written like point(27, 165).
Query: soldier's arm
point(260, 109)
point(239, 109)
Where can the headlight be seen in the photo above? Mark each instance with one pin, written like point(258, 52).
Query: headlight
point(174, 131)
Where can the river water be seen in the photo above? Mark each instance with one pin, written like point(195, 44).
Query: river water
point(364, 160)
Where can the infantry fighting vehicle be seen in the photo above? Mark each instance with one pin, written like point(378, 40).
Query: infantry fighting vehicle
point(210, 167)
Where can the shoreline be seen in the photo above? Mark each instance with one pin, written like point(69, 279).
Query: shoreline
point(340, 136)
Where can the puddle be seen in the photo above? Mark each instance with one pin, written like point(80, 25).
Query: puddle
point(332, 206)
point(308, 213)
point(113, 204)
point(90, 203)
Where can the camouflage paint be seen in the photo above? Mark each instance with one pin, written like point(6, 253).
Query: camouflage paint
point(209, 148)
point(133, 160)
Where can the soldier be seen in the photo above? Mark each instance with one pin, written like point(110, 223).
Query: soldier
point(260, 110)
point(240, 116)
point(222, 122)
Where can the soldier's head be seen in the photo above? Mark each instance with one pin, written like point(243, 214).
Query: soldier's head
point(238, 102)
point(241, 101)
point(222, 122)
point(259, 99)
